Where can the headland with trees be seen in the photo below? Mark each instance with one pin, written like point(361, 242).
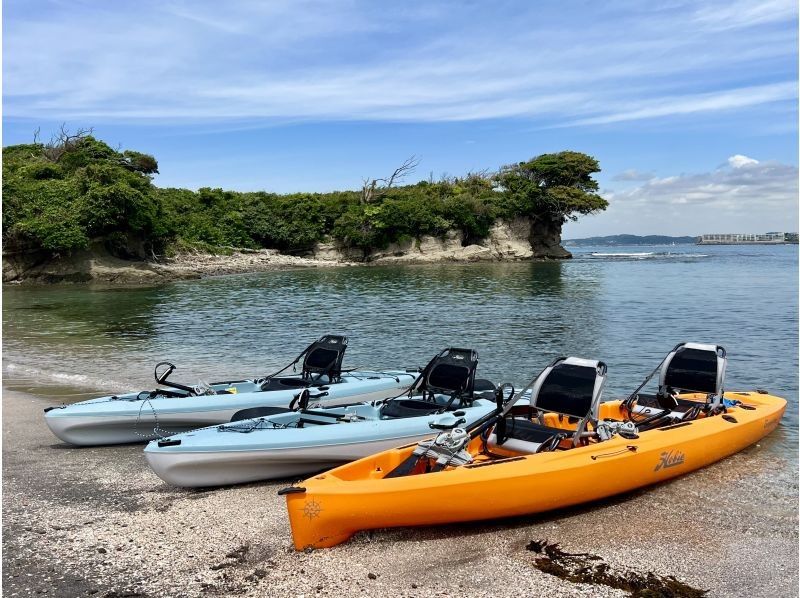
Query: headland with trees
point(75, 194)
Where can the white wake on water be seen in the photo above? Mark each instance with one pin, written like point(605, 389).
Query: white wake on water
point(38, 376)
point(644, 255)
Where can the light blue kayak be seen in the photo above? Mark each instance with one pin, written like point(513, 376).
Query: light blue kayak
point(136, 417)
point(294, 443)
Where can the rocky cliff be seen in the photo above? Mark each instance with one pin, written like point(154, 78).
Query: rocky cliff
point(518, 239)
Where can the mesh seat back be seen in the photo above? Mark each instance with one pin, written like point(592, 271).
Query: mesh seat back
point(694, 367)
point(568, 390)
point(450, 372)
point(570, 386)
point(325, 356)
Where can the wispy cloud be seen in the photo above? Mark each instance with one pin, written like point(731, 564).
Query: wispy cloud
point(744, 13)
point(730, 99)
point(634, 175)
point(419, 61)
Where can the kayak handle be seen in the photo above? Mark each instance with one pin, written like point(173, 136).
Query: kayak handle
point(632, 448)
point(447, 426)
point(291, 490)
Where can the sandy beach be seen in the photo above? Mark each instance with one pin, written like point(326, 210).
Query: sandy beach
point(96, 521)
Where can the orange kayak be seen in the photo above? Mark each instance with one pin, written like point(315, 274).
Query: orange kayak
point(327, 509)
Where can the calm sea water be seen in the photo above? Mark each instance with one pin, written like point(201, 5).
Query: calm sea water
point(626, 306)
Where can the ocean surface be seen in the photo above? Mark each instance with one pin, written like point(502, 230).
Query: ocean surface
point(627, 306)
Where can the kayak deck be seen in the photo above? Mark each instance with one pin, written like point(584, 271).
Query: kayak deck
point(327, 509)
point(137, 417)
point(289, 444)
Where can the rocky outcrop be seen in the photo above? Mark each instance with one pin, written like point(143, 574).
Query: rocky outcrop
point(518, 239)
point(511, 239)
point(545, 239)
point(98, 266)
point(92, 265)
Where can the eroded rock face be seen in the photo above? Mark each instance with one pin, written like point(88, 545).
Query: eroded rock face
point(511, 239)
point(517, 239)
point(545, 240)
point(428, 249)
point(81, 266)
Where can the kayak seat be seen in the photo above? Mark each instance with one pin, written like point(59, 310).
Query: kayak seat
point(451, 372)
point(524, 436)
point(571, 388)
point(322, 364)
point(399, 408)
point(447, 382)
point(324, 357)
point(688, 368)
point(694, 367)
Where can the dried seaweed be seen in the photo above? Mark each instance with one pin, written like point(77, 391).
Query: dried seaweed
point(585, 568)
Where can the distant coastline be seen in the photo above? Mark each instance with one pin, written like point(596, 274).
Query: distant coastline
point(727, 239)
point(616, 240)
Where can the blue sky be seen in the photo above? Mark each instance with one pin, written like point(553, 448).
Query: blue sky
point(690, 107)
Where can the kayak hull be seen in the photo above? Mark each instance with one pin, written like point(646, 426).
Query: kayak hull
point(216, 457)
point(327, 509)
point(121, 419)
point(223, 468)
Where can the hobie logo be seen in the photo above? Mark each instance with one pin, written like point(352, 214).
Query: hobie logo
point(670, 459)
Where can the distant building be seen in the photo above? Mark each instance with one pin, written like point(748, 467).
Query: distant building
point(742, 238)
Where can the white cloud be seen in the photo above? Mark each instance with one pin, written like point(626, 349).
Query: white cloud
point(740, 161)
point(745, 195)
point(312, 59)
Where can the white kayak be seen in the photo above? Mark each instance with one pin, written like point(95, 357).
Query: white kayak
point(136, 417)
point(296, 443)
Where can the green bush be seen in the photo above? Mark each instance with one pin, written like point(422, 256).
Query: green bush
point(59, 197)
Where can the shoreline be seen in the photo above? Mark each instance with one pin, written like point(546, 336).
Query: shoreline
point(193, 266)
point(97, 521)
point(506, 242)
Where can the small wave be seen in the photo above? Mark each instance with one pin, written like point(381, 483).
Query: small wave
point(646, 255)
point(641, 254)
point(45, 377)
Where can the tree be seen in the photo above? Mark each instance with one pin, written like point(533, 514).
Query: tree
point(555, 186)
point(64, 194)
point(551, 189)
point(144, 163)
point(370, 188)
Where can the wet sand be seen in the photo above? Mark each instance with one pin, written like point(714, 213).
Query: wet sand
point(96, 521)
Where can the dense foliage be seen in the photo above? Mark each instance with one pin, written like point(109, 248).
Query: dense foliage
point(90, 190)
point(59, 197)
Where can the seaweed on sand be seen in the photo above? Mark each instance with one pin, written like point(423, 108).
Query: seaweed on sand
point(589, 568)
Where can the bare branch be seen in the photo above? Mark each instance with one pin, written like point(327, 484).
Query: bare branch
point(64, 141)
point(370, 187)
point(402, 171)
